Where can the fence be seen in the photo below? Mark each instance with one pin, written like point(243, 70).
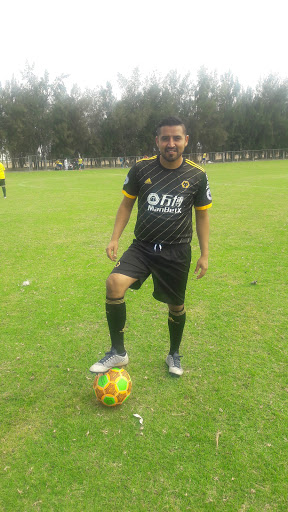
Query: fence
point(243, 155)
point(34, 162)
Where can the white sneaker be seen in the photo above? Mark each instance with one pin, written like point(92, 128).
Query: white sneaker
point(174, 364)
point(110, 360)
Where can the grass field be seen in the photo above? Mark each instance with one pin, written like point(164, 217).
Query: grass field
point(216, 439)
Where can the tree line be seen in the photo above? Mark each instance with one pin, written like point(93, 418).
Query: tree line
point(42, 117)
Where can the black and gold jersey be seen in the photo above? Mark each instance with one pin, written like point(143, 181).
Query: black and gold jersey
point(165, 199)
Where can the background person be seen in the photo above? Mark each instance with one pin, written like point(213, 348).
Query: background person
point(80, 163)
point(2, 180)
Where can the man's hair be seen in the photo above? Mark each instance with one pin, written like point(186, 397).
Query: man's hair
point(171, 121)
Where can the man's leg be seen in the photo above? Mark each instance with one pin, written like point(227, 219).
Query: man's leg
point(116, 287)
point(176, 323)
point(4, 190)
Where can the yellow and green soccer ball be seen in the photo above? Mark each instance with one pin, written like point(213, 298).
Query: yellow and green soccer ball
point(113, 387)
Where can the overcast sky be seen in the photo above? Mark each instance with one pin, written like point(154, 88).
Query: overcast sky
point(92, 41)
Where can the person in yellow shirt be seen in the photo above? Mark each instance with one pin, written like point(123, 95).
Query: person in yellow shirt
point(2, 179)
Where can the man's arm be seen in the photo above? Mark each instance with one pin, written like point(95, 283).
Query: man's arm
point(202, 229)
point(122, 218)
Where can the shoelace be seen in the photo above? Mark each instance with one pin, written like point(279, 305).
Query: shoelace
point(107, 356)
point(176, 360)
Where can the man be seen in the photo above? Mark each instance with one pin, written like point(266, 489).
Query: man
point(80, 163)
point(167, 186)
point(58, 165)
point(2, 179)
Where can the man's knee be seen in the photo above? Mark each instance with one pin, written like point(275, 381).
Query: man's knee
point(176, 309)
point(117, 284)
point(112, 284)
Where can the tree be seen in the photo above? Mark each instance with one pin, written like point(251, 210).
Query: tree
point(39, 117)
point(272, 107)
point(209, 130)
point(100, 104)
point(25, 114)
point(229, 94)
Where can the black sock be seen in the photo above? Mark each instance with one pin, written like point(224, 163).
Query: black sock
point(116, 318)
point(176, 323)
point(4, 191)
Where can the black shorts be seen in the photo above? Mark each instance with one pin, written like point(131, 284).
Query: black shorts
point(168, 264)
point(2, 183)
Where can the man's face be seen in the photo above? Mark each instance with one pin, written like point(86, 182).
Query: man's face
point(171, 143)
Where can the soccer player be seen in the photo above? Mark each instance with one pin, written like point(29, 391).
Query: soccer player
point(2, 179)
point(80, 163)
point(167, 187)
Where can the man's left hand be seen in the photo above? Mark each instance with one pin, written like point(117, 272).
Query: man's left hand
point(202, 265)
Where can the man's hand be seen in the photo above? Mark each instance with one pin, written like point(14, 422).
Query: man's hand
point(112, 250)
point(122, 217)
point(202, 264)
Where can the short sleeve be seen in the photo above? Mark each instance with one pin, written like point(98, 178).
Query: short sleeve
point(130, 186)
point(203, 199)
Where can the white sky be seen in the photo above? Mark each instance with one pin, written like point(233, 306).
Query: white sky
point(94, 40)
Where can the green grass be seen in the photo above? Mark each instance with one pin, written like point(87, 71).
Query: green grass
point(214, 440)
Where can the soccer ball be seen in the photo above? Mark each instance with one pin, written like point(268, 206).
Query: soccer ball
point(114, 387)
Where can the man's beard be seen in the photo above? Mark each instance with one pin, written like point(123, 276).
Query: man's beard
point(171, 156)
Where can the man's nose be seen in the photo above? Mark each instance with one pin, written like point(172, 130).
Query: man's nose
point(171, 142)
